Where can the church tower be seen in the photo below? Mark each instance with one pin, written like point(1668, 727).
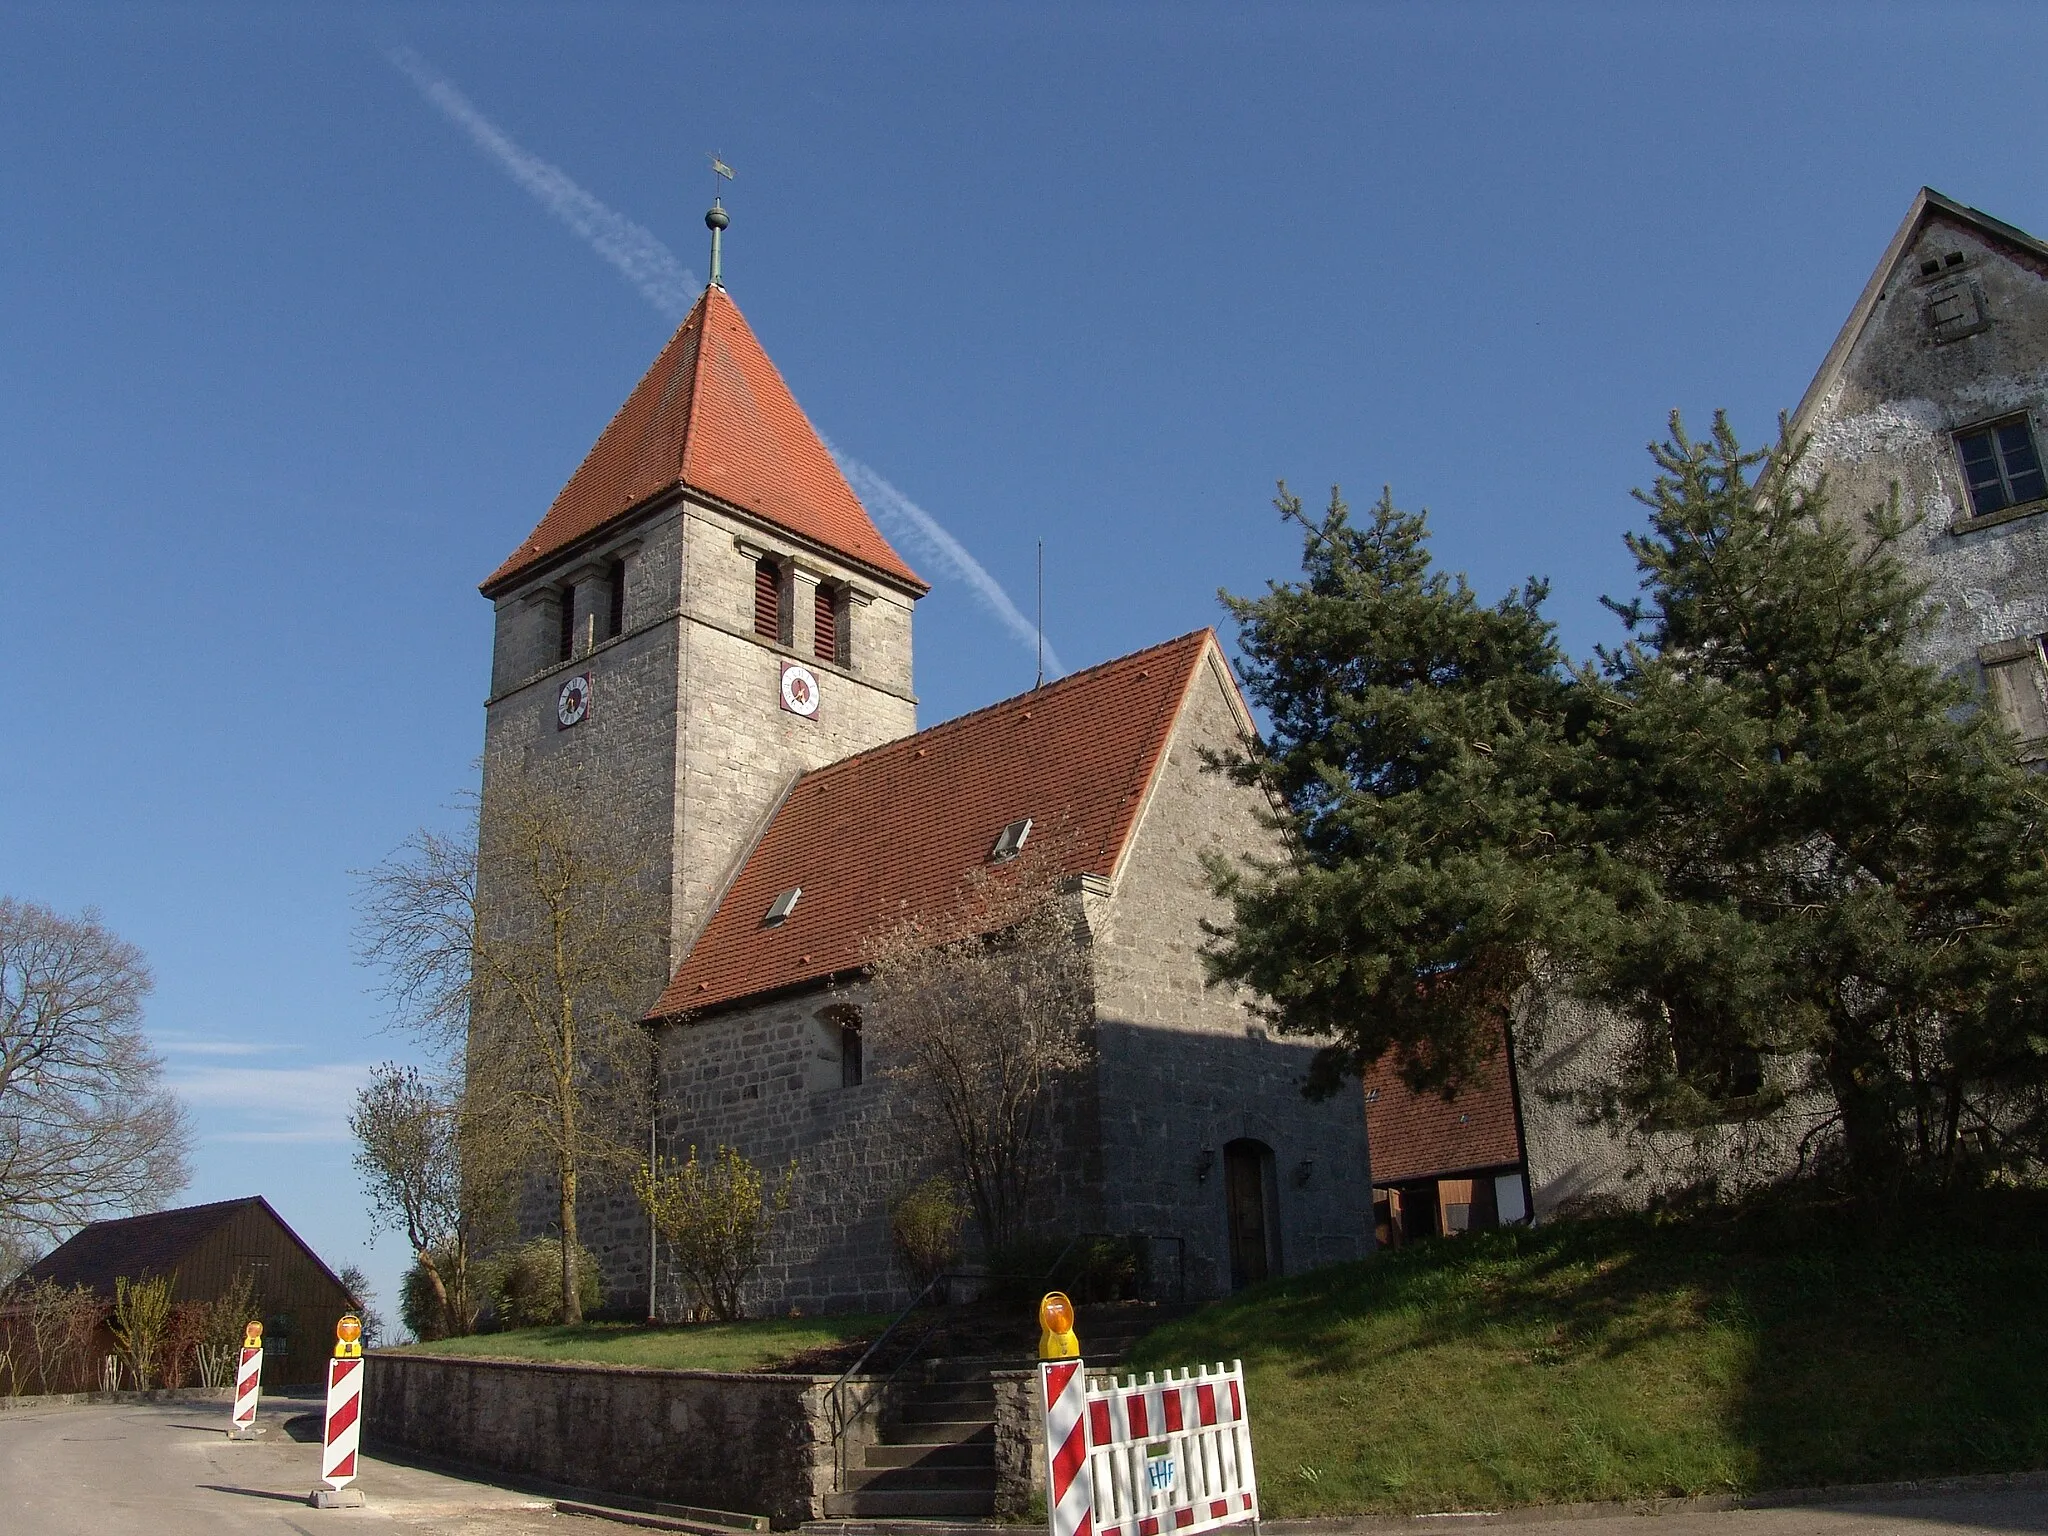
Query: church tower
point(705, 612)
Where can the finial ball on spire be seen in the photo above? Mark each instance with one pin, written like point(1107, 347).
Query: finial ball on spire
point(717, 218)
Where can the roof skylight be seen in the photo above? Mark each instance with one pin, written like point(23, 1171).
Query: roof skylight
point(1010, 841)
point(781, 907)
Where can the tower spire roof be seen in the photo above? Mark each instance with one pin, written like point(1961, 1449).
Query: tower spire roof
point(713, 415)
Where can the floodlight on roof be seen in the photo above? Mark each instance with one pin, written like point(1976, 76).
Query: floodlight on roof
point(1010, 841)
point(781, 907)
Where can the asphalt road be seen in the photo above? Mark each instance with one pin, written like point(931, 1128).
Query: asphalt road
point(168, 1469)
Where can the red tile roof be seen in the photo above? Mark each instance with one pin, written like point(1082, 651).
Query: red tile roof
point(713, 414)
point(1414, 1135)
point(894, 833)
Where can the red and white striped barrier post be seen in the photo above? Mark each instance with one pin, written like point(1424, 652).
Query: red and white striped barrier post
point(248, 1385)
point(1069, 1493)
point(1161, 1457)
point(344, 1419)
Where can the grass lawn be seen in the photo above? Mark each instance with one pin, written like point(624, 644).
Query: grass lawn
point(749, 1346)
point(1629, 1358)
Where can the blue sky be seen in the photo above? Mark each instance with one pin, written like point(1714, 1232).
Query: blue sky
point(288, 364)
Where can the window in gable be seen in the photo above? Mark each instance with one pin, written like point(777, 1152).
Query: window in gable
point(2001, 465)
point(2016, 677)
point(1010, 841)
point(771, 615)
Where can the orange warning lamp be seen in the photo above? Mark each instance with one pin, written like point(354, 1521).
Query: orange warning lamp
point(1056, 1339)
point(348, 1337)
point(252, 1335)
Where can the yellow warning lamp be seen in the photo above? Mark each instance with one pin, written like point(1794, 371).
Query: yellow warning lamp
point(1056, 1339)
point(348, 1337)
point(252, 1335)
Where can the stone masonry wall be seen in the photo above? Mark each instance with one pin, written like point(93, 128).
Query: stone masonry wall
point(686, 746)
point(1183, 1066)
point(749, 1444)
point(1566, 1049)
point(739, 748)
point(1889, 416)
point(766, 1080)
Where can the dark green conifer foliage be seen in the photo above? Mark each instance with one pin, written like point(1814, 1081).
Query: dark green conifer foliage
point(1829, 866)
point(1426, 772)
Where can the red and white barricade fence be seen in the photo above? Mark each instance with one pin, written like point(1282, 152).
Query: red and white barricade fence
point(248, 1388)
point(1147, 1458)
point(344, 1421)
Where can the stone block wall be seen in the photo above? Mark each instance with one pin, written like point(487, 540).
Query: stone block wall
point(1902, 392)
point(1565, 1049)
point(747, 1444)
point(1183, 1066)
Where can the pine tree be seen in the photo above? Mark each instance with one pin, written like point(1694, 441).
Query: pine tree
point(1426, 757)
point(1829, 868)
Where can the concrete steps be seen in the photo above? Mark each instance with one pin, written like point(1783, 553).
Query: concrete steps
point(936, 1457)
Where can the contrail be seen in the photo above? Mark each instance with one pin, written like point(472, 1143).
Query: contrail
point(645, 262)
point(672, 288)
point(909, 522)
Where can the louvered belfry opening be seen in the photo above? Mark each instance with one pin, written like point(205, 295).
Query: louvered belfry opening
point(615, 620)
point(565, 635)
point(768, 599)
point(825, 627)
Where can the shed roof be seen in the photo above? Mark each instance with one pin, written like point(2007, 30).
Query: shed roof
point(151, 1244)
point(1414, 1135)
point(895, 832)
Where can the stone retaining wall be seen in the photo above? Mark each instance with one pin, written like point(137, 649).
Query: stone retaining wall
point(752, 1444)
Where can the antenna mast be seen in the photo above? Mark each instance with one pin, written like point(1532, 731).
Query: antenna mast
point(1041, 617)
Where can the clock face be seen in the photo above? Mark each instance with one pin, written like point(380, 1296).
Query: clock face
point(799, 690)
point(572, 704)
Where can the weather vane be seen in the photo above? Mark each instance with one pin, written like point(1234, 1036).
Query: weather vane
point(716, 219)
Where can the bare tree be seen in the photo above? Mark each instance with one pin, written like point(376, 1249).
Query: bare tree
point(87, 1128)
point(435, 1174)
point(980, 1011)
point(533, 948)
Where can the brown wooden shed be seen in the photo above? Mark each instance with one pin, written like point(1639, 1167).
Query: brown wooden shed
point(205, 1247)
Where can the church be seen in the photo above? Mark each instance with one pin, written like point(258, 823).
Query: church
point(707, 631)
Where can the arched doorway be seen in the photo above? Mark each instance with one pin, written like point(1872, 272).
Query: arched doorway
point(1251, 1193)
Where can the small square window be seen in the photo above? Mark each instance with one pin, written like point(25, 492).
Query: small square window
point(2001, 466)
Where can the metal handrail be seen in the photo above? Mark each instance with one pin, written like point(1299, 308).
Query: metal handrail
point(842, 1421)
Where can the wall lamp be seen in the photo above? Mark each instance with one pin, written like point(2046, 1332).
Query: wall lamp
point(1303, 1172)
point(1204, 1161)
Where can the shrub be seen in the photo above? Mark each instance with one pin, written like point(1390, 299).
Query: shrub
point(716, 1220)
point(525, 1284)
point(142, 1320)
point(926, 1225)
point(220, 1342)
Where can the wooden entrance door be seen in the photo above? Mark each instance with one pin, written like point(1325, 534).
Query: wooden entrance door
point(1248, 1192)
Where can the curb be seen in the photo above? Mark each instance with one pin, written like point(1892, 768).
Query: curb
point(1530, 1514)
point(153, 1395)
